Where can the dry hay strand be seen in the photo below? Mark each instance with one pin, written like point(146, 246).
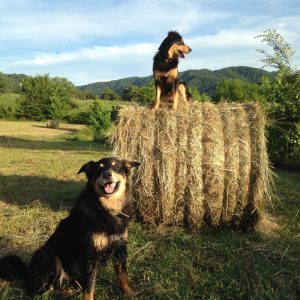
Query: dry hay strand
point(165, 163)
point(213, 164)
point(244, 161)
point(194, 200)
point(231, 163)
point(204, 164)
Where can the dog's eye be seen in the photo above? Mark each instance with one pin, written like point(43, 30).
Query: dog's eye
point(116, 167)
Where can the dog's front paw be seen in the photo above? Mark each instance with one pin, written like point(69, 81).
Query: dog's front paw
point(154, 108)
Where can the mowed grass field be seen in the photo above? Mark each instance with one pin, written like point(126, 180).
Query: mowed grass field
point(10, 100)
point(39, 183)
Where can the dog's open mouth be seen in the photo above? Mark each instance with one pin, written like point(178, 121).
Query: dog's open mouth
point(181, 54)
point(110, 187)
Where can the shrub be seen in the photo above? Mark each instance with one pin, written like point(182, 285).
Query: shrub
point(114, 113)
point(6, 112)
point(98, 118)
point(84, 134)
point(77, 116)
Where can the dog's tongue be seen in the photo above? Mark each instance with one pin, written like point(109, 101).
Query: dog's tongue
point(109, 187)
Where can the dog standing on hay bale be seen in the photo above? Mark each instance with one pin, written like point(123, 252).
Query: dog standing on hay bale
point(203, 165)
point(168, 88)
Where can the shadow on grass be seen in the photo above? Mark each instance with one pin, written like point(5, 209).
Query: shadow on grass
point(64, 145)
point(56, 194)
point(73, 130)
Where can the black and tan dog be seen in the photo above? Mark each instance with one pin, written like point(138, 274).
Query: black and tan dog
point(94, 231)
point(167, 85)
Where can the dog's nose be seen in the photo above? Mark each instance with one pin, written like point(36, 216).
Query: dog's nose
point(107, 175)
point(190, 49)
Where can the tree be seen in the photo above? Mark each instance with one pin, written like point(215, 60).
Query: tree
point(204, 97)
point(109, 94)
point(283, 95)
point(42, 97)
point(130, 93)
point(195, 93)
point(3, 83)
point(238, 90)
point(142, 95)
point(283, 52)
point(197, 96)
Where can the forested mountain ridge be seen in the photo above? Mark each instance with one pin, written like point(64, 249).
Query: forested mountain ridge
point(204, 80)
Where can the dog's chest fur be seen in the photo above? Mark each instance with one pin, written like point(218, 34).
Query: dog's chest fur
point(102, 241)
point(163, 64)
point(171, 74)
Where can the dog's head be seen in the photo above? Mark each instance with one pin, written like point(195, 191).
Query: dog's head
point(108, 176)
point(173, 46)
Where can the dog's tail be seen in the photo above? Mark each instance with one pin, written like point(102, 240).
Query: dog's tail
point(12, 268)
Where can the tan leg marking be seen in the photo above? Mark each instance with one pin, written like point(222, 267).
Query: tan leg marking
point(88, 296)
point(156, 103)
point(122, 280)
point(175, 101)
point(182, 93)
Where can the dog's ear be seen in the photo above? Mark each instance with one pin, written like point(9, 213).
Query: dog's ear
point(128, 165)
point(165, 45)
point(88, 169)
point(174, 34)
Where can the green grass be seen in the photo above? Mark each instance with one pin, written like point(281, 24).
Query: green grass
point(38, 184)
point(8, 100)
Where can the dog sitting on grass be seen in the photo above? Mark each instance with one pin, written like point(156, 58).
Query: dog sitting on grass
point(95, 231)
point(168, 87)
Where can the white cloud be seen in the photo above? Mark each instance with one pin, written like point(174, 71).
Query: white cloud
point(97, 53)
point(225, 39)
point(60, 26)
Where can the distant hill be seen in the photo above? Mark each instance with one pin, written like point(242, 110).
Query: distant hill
point(204, 80)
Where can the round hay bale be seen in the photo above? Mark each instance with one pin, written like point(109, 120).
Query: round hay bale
point(52, 124)
point(203, 165)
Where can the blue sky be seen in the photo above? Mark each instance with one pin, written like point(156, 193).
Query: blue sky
point(95, 40)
